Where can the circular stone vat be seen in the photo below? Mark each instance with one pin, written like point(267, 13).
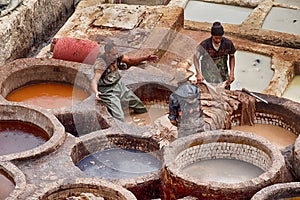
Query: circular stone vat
point(276, 121)
point(243, 148)
point(131, 161)
point(84, 188)
point(155, 97)
point(17, 136)
point(280, 191)
point(12, 181)
point(48, 83)
point(43, 132)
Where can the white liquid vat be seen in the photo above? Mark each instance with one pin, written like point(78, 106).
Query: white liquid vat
point(289, 2)
point(210, 12)
point(283, 20)
point(119, 163)
point(252, 71)
point(292, 91)
point(223, 170)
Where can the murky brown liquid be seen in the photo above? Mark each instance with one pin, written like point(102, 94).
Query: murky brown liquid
point(155, 111)
point(17, 136)
point(48, 95)
point(293, 198)
point(275, 134)
point(6, 186)
point(223, 170)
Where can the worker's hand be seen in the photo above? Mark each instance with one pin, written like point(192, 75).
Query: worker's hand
point(153, 58)
point(199, 78)
point(230, 79)
point(98, 96)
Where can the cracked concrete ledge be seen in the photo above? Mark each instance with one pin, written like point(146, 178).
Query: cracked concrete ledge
point(28, 25)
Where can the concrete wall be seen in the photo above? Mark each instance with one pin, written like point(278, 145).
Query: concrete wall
point(30, 23)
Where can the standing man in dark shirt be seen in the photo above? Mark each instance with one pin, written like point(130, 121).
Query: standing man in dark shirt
point(108, 87)
point(217, 48)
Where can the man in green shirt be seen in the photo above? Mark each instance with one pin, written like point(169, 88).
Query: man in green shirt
point(109, 89)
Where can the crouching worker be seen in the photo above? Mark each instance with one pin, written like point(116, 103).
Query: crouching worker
point(185, 110)
point(108, 87)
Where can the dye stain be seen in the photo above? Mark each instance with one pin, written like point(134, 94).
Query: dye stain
point(223, 170)
point(119, 163)
point(48, 95)
point(17, 136)
point(6, 185)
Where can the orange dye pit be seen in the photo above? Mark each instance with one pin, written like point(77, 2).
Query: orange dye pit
point(48, 95)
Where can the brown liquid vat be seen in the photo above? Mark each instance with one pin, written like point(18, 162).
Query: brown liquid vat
point(219, 144)
point(285, 114)
point(16, 176)
point(83, 187)
point(44, 120)
point(17, 136)
point(143, 187)
point(279, 112)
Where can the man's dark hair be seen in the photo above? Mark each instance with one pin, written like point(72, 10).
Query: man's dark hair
point(217, 29)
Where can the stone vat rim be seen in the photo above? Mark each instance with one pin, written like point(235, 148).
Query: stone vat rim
point(125, 182)
point(18, 177)
point(270, 149)
point(50, 188)
point(54, 142)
